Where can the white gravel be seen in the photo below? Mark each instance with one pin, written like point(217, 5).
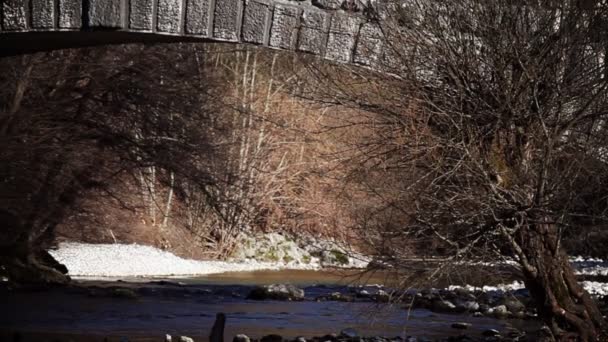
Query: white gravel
point(589, 266)
point(596, 288)
point(120, 260)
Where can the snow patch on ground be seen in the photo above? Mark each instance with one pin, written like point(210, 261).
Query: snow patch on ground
point(516, 285)
point(593, 287)
point(596, 288)
point(589, 266)
point(119, 260)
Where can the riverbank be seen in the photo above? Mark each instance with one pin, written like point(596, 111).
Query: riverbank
point(120, 261)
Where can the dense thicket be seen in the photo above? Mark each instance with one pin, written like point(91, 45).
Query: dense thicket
point(83, 121)
point(203, 140)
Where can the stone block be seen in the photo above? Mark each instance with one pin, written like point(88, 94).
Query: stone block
point(313, 31)
point(369, 45)
point(284, 27)
point(169, 16)
point(141, 14)
point(197, 17)
point(14, 15)
point(342, 37)
point(104, 13)
point(70, 14)
point(327, 4)
point(255, 21)
point(226, 19)
point(43, 12)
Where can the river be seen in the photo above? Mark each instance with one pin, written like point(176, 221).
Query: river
point(94, 310)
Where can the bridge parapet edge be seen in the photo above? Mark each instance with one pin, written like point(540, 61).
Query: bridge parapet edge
point(337, 30)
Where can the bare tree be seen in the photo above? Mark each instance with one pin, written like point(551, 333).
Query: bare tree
point(491, 136)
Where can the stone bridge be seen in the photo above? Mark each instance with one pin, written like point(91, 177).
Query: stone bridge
point(338, 30)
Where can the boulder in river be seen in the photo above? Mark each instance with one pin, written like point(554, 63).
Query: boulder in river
point(277, 292)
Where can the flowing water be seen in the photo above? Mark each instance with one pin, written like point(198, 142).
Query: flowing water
point(189, 308)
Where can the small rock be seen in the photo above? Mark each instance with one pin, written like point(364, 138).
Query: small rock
point(515, 334)
point(491, 333)
point(329, 337)
point(339, 297)
point(382, 296)
point(377, 339)
point(272, 338)
point(514, 305)
point(241, 338)
point(461, 338)
point(519, 315)
point(363, 294)
point(168, 338)
point(500, 311)
point(185, 339)
point(300, 339)
point(470, 306)
point(461, 325)
point(443, 306)
point(349, 333)
point(124, 293)
point(276, 292)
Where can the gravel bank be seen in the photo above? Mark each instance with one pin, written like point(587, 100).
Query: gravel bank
point(119, 260)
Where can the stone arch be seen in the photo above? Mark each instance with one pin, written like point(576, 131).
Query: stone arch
point(337, 30)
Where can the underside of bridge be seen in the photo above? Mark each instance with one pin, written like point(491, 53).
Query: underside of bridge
point(345, 31)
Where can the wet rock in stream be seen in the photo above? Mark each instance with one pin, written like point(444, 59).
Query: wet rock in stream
point(277, 292)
